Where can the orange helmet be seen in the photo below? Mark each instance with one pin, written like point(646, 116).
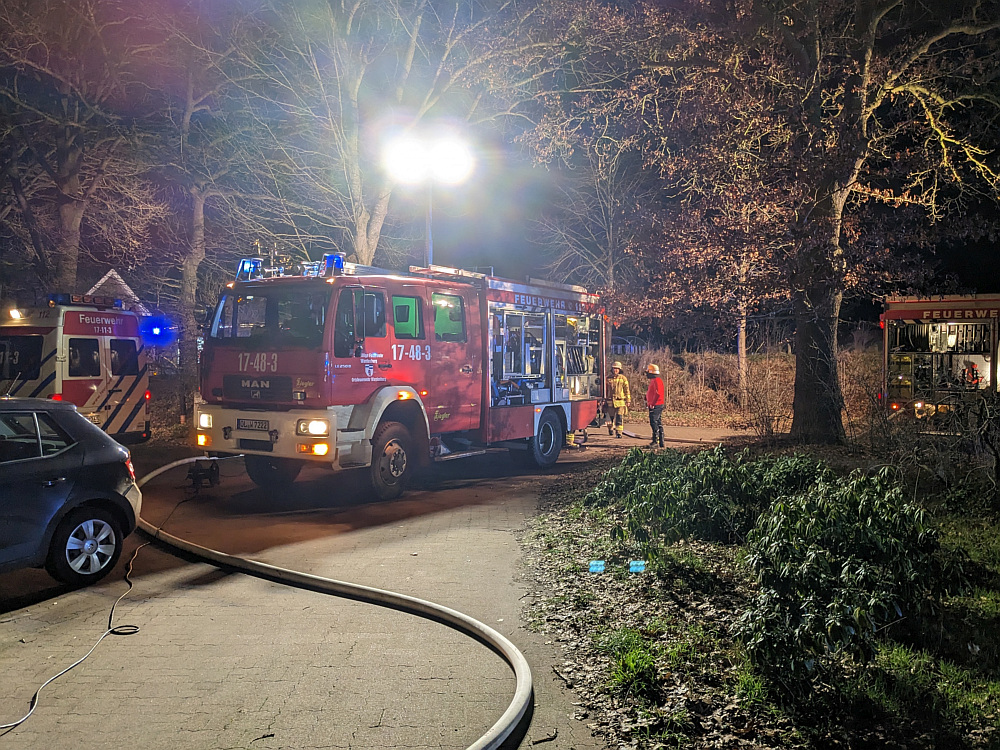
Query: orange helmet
point(653, 369)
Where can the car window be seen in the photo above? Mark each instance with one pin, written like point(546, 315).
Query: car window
point(407, 317)
point(124, 357)
point(84, 358)
point(449, 317)
point(18, 437)
point(20, 357)
point(53, 437)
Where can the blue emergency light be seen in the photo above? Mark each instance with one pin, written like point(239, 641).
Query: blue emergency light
point(157, 330)
point(333, 264)
point(249, 268)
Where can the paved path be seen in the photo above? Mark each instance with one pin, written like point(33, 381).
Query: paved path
point(226, 661)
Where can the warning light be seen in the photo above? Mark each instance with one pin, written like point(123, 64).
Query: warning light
point(56, 397)
point(894, 406)
point(147, 395)
point(204, 440)
point(403, 395)
point(333, 264)
point(315, 449)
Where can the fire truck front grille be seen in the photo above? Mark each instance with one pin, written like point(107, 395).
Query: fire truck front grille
point(257, 388)
point(256, 445)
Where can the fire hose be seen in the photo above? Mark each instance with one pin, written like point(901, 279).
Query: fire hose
point(523, 692)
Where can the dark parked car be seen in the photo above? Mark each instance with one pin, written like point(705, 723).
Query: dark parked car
point(68, 496)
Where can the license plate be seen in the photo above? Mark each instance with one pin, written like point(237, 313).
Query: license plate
point(252, 424)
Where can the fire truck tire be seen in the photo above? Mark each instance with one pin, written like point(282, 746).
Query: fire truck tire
point(392, 460)
point(271, 473)
point(544, 448)
point(85, 546)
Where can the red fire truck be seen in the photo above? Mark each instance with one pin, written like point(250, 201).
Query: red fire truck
point(939, 352)
point(356, 367)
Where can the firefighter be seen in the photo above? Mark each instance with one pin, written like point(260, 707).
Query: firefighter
point(618, 401)
point(655, 401)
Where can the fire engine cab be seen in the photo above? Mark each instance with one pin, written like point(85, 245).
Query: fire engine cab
point(84, 349)
point(356, 367)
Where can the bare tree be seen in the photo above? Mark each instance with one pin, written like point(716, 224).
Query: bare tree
point(71, 155)
point(329, 81)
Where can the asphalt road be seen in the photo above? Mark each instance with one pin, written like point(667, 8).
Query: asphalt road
point(226, 661)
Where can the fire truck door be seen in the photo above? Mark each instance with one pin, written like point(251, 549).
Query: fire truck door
point(85, 376)
point(361, 344)
point(455, 382)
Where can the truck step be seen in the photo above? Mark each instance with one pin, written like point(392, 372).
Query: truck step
point(461, 454)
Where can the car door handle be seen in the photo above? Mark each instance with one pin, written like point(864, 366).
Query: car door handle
point(53, 482)
point(467, 369)
point(384, 365)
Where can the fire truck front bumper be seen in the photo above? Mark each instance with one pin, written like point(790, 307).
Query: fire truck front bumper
point(306, 435)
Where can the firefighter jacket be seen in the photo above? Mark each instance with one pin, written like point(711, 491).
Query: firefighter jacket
point(618, 391)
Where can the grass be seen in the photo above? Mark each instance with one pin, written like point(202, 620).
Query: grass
point(633, 657)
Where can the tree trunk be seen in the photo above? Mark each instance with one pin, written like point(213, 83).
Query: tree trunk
point(818, 401)
point(741, 356)
point(188, 340)
point(67, 251)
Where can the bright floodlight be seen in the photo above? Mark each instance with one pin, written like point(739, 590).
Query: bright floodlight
point(412, 160)
point(406, 160)
point(450, 161)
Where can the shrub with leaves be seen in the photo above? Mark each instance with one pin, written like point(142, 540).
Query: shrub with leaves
point(837, 566)
point(667, 496)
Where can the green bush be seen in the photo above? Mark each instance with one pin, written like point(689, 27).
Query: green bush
point(668, 496)
point(836, 565)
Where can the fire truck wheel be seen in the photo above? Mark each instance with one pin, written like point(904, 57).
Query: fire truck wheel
point(85, 546)
point(391, 461)
point(271, 473)
point(544, 447)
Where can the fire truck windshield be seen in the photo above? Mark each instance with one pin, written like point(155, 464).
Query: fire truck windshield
point(272, 317)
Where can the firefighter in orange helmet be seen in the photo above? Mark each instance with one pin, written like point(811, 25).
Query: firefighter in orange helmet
point(655, 400)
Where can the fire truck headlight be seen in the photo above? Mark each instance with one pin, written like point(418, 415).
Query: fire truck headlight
point(15, 314)
point(313, 427)
point(205, 421)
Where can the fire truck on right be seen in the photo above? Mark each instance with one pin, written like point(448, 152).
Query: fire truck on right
point(939, 352)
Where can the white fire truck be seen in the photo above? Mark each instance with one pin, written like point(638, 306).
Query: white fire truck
point(83, 349)
point(355, 367)
point(939, 352)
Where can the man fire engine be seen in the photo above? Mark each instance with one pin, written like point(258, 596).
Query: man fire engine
point(356, 367)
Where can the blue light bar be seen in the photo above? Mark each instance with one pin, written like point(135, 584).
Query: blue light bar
point(249, 268)
point(333, 264)
point(88, 300)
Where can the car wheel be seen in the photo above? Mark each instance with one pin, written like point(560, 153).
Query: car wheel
point(271, 473)
point(85, 547)
point(392, 463)
point(544, 447)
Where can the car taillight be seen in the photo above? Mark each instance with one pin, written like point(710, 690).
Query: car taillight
point(56, 397)
point(131, 471)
